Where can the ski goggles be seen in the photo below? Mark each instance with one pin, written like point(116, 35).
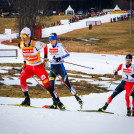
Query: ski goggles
point(24, 36)
point(129, 59)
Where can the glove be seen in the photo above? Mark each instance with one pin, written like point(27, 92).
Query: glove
point(45, 63)
point(132, 94)
point(23, 65)
point(57, 59)
point(132, 75)
point(115, 73)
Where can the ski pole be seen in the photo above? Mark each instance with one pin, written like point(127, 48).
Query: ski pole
point(78, 65)
point(60, 79)
point(73, 64)
point(112, 81)
point(38, 83)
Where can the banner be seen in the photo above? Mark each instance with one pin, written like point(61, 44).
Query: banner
point(117, 12)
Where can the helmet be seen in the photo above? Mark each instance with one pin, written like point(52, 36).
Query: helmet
point(26, 31)
point(129, 57)
point(52, 37)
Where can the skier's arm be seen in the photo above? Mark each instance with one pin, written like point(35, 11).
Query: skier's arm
point(118, 69)
point(24, 60)
point(41, 45)
point(45, 52)
point(66, 53)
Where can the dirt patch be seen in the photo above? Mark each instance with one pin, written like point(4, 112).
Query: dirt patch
point(83, 87)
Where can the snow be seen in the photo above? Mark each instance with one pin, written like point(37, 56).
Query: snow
point(76, 25)
point(21, 120)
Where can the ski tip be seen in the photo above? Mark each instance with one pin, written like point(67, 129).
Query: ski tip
point(48, 107)
point(45, 106)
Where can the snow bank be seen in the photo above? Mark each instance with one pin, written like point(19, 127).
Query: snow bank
point(76, 25)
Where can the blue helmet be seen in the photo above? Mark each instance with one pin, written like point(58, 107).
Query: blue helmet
point(52, 37)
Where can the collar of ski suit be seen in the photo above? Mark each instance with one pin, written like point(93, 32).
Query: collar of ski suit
point(55, 45)
point(28, 44)
point(127, 66)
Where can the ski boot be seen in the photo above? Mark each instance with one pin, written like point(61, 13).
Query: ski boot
point(57, 103)
point(26, 102)
point(128, 112)
point(54, 106)
point(61, 106)
point(133, 112)
point(79, 101)
point(103, 108)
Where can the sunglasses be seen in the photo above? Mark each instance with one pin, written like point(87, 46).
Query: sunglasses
point(24, 36)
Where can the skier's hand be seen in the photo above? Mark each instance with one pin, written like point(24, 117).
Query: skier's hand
point(132, 75)
point(57, 59)
point(45, 63)
point(115, 73)
point(23, 65)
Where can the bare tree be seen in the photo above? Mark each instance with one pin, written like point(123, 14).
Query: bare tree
point(28, 11)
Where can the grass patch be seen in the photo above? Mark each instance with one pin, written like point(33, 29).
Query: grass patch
point(83, 87)
point(11, 23)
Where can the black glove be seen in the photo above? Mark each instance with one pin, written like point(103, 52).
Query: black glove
point(57, 59)
point(115, 73)
point(132, 75)
point(132, 94)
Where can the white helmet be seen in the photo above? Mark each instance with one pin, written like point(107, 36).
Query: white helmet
point(26, 31)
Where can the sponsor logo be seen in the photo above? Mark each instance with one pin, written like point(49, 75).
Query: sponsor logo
point(45, 81)
point(33, 58)
point(28, 51)
point(51, 78)
point(53, 50)
point(127, 70)
point(43, 77)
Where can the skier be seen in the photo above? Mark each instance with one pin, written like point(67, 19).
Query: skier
point(126, 84)
point(56, 54)
point(33, 66)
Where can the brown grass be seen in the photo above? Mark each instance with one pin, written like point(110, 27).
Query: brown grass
point(11, 23)
point(114, 39)
point(82, 87)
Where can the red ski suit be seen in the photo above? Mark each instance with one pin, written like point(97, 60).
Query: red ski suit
point(34, 65)
point(128, 85)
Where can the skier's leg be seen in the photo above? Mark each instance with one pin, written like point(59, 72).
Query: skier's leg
point(25, 74)
point(64, 76)
point(132, 94)
point(117, 91)
point(128, 87)
point(42, 74)
point(52, 78)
